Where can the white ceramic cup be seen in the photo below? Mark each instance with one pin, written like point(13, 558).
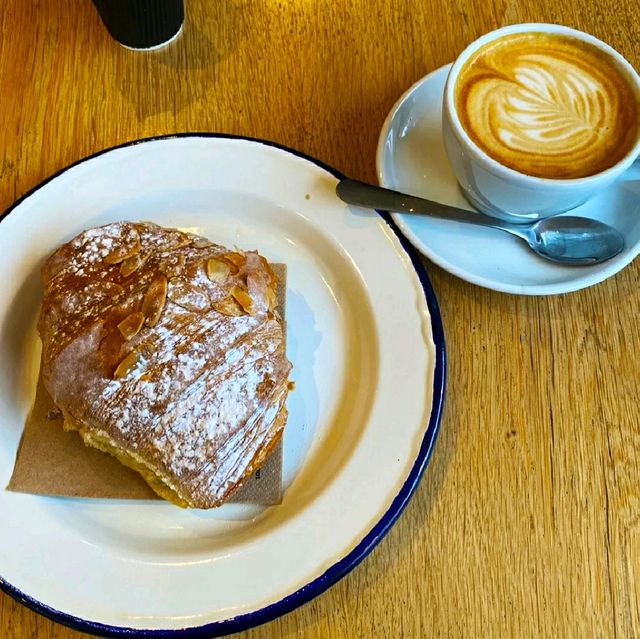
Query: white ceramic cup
point(501, 191)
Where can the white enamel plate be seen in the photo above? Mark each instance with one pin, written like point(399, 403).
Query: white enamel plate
point(365, 340)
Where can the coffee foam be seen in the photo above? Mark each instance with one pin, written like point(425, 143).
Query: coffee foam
point(547, 105)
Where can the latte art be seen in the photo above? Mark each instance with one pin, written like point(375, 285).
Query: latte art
point(547, 105)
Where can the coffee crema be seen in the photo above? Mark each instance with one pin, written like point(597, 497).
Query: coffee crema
point(547, 105)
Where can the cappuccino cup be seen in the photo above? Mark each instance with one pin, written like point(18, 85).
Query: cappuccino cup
point(538, 118)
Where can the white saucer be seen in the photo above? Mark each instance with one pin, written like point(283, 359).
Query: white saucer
point(411, 158)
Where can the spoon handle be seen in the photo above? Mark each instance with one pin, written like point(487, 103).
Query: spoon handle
point(375, 197)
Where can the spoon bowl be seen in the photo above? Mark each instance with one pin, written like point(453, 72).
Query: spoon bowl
point(573, 240)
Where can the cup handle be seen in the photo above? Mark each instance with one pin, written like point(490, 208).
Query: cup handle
point(633, 172)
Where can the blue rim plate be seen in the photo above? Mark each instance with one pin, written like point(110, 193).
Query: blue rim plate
point(369, 540)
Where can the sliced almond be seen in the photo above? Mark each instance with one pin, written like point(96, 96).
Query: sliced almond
point(130, 326)
point(121, 253)
point(235, 258)
point(180, 242)
point(173, 241)
point(201, 242)
point(233, 269)
point(229, 306)
point(154, 300)
point(133, 263)
point(243, 298)
point(217, 271)
point(273, 280)
point(127, 365)
point(271, 298)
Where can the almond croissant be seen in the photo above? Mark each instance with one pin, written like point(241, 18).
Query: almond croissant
point(166, 350)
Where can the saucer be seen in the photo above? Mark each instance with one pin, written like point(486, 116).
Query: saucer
point(411, 158)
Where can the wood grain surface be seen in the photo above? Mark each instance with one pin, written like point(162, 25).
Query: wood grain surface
point(527, 521)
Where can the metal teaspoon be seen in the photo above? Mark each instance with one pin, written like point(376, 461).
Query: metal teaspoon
point(562, 239)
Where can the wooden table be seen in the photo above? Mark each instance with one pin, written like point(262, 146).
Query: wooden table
point(527, 521)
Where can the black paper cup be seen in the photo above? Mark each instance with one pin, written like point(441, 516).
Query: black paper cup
point(142, 24)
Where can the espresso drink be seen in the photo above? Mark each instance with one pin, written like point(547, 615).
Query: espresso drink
point(547, 105)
